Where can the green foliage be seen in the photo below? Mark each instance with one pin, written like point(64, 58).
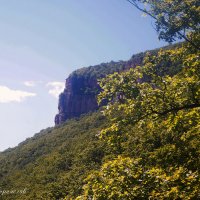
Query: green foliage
point(154, 114)
point(103, 69)
point(150, 138)
point(54, 162)
point(149, 146)
point(99, 71)
point(154, 130)
point(173, 18)
point(127, 178)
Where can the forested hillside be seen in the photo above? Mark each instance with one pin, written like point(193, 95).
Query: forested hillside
point(153, 131)
point(154, 122)
point(55, 161)
point(143, 144)
point(147, 134)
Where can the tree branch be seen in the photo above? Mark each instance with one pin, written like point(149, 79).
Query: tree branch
point(195, 105)
point(164, 22)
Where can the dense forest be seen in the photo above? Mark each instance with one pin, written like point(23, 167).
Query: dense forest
point(144, 144)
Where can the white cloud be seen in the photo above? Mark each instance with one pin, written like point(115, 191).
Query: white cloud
point(8, 95)
point(30, 83)
point(56, 88)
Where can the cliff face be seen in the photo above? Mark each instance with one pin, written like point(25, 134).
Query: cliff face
point(81, 88)
point(79, 97)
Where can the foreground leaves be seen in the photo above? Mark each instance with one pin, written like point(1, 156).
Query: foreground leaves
point(154, 130)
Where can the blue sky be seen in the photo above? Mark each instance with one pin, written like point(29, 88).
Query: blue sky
point(43, 41)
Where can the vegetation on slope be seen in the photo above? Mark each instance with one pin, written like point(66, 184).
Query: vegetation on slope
point(153, 131)
point(103, 69)
point(54, 162)
point(154, 124)
point(149, 145)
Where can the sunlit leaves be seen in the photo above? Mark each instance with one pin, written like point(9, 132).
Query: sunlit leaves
point(126, 178)
point(154, 114)
point(173, 18)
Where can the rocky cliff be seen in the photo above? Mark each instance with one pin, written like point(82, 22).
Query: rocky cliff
point(81, 88)
point(77, 98)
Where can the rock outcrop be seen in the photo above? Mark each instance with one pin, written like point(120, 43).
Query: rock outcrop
point(81, 88)
point(78, 97)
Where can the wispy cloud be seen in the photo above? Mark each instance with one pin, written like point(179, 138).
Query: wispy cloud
point(30, 83)
point(8, 95)
point(55, 88)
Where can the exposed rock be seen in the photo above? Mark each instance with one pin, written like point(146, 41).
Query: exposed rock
point(79, 97)
point(81, 88)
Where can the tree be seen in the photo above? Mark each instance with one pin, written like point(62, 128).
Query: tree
point(152, 98)
point(154, 130)
point(173, 18)
point(154, 114)
point(126, 178)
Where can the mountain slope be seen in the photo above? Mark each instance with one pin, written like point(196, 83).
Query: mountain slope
point(55, 161)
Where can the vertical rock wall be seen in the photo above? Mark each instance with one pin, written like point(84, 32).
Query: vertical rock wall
point(79, 97)
point(81, 88)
